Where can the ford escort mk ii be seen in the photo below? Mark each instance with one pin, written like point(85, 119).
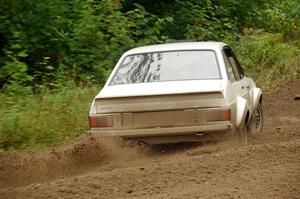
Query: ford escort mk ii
point(177, 92)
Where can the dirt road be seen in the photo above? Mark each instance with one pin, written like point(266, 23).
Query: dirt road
point(268, 167)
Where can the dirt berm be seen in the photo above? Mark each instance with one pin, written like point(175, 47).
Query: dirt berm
point(267, 167)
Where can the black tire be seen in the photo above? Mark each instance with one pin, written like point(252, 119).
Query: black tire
point(256, 122)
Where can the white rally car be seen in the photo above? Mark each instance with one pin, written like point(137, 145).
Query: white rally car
point(177, 92)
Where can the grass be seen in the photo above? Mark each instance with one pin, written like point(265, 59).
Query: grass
point(47, 119)
point(268, 59)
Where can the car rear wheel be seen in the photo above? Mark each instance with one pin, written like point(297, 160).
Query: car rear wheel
point(253, 127)
point(256, 122)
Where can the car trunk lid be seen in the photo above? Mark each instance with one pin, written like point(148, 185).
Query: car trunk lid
point(160, 96)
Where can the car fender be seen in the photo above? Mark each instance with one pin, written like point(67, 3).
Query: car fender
point(241, 110)
point(256, 94)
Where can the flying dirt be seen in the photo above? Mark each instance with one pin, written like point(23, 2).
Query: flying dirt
point(93, 167)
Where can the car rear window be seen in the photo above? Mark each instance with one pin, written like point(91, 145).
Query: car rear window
point(167, 66)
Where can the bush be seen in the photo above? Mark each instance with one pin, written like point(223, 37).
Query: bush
point(81, 40)
point(279, 16)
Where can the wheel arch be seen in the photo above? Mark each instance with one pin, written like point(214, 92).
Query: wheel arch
point(256, 97)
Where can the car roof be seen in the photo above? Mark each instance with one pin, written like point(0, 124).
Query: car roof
point(178, 46)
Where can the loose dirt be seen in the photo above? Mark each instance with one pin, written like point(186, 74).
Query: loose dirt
point(93, 167)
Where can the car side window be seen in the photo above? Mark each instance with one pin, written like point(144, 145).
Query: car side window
point(235, 71)
point(229, 68)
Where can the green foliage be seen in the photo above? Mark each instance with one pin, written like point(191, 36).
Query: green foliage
point(40, 30)
point(78, 39)
point(145, 28)
point(279, 16)
point(13, 70)
point(104, 33)
point(211, 22)
point(98, 39)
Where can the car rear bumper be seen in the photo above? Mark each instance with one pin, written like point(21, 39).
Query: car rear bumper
point(161, 131)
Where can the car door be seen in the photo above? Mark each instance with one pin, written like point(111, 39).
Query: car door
point(240, 85)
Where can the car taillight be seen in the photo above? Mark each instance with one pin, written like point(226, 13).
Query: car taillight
point(100, 121)
point(218, 115)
